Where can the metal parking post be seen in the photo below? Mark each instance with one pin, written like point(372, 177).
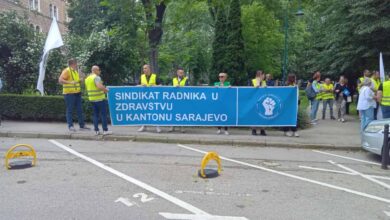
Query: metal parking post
point(385, 148)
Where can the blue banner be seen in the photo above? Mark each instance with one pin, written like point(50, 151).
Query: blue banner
point(203, 106)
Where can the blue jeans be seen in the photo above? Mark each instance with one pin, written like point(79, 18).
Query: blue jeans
point(367, 117)
point(100, 110)
point(314, 108)
point(385, 111)
point(72, 101)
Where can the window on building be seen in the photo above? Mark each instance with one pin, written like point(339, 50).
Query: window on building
point(34, 5)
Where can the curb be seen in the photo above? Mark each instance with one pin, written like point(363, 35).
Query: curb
point(168, 140)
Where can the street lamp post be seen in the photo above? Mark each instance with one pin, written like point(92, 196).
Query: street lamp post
point(286, 26)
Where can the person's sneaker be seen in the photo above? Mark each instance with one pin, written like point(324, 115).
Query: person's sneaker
point(107, 132)
point(226, 133)
point(97, 133)
point(72, 129)
point(333, 118)
point(343, 120)
point(172, 129)
point(219, 131)
point(254, 132)
point(158, 129)
point(85, 128)
point(315, 120)
point(289, 134)
point(182, 130)
point(339, 119)
point(141, 129)
point(262, 133)
point(296, 134)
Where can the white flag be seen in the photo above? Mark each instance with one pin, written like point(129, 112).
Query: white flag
point(381, 68)
point(53, 40)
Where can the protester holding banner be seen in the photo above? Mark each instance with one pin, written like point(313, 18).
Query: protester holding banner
point(149, 79)
point(341, 92)
point(97, 96)
point(257, 82)
point(179, 81)
point(327, 98)
point(291, 131)
point(222, 83)
point(70, 80)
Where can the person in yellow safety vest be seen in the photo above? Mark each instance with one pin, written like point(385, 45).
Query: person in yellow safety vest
point(179, 81)
point(259, 82)
point(222, 83)
point(148, 79)
point(376, 79)
point(327, 98)
point(97, 96)
point(291, 131)
point(366, 74)
point(70, 80)
point(384, 98)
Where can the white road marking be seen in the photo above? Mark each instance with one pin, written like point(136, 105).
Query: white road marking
point(387, 213)
point(326, 170)
point(125, 201)
point(295, 177)
point(361, 174)
point(347, 158)
point(145, 186)
point(343, 172)
point(198, 217)
point(212, 193)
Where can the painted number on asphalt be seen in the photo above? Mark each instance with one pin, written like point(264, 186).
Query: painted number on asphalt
point(143, 197)
point(127, 202)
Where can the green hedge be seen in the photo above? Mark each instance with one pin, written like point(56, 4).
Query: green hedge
point(37, 108)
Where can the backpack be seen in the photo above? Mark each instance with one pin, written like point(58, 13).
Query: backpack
point(310, 93)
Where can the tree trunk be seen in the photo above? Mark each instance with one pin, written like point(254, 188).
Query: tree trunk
point(154, 30)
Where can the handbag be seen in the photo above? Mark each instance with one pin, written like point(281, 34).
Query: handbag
point(349, 99)
point(310, 93)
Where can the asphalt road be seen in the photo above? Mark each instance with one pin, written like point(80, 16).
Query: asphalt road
point(130, 180)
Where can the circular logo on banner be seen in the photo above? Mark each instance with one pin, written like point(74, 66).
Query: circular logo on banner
point(269, 106)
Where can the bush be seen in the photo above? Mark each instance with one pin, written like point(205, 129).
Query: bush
point(37, 108)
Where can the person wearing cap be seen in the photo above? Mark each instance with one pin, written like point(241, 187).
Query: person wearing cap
point(179, 81)
point(259, 82)
point(366, 103)
point(222, 83)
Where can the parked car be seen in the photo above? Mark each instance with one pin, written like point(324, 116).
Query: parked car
point(372, 137)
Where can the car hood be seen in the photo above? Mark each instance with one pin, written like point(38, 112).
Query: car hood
point(381, 122)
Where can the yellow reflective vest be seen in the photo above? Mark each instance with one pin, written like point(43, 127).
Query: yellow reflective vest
point(72, 88)
point(94, 93)
point(181, 83)
point(386, 94)
point(151, 82)
point(255, 83)
point(327, 95)
point(377, 83)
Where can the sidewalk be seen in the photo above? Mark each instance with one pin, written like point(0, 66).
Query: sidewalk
point(329, 134)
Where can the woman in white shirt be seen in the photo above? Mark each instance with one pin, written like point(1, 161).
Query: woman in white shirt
point(366, 103)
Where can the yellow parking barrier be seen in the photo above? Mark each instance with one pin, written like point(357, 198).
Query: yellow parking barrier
point(12, 154)
point(206, 159)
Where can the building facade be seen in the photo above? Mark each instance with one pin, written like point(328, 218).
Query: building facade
point(39, 12)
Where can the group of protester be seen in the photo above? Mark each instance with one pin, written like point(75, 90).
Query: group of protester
point(372, 95)
point(71, 82)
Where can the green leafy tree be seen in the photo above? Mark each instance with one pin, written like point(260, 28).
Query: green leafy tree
point(235, 45)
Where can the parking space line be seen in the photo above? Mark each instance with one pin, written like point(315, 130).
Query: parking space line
point(326, 170)
point(134, 181)
point(347, 158)
point(361, 174)
point(362, 194)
